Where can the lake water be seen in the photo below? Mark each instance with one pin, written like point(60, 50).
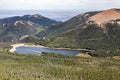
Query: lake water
point(38, 50)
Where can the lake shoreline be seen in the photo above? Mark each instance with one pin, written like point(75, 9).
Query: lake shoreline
point(14, 46)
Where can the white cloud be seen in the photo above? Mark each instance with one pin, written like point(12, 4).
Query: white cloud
point(40, 4)
point(58, 4)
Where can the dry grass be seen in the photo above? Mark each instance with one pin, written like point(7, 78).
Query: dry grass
point(116, 57)
point(86, 55)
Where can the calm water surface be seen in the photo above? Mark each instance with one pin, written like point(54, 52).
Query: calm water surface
point(38, 50)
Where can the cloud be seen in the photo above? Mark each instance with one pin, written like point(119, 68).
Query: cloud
point(40, 4)
point(102, 4)
point(58, 4)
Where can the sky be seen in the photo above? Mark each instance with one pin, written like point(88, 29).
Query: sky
point(58, 4)
point(60, 10)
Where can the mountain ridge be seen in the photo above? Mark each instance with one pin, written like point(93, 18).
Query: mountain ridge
point(105, 16)
point(84, 19)
point(80, 32)
point(12, 28)
point(36, 18)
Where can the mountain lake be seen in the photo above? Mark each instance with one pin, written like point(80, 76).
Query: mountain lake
point(39, 50)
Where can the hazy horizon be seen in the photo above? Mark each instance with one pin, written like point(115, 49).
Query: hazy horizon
point(60, 15)
point(60, 10)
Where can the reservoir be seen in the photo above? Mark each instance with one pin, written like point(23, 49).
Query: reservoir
point(38, 50)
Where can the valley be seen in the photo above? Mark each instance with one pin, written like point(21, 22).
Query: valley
point(98, 31)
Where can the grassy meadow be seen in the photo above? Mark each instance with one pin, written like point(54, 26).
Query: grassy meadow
point(50, 66)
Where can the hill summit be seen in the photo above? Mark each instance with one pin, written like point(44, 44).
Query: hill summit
point(96, 29)
point(105, 16)
point(12, 28)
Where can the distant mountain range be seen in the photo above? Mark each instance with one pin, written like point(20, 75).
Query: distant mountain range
point(12, 28)
point(58, 15)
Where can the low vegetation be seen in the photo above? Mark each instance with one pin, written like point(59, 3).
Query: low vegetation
point(105, 53)
point(50, 66)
